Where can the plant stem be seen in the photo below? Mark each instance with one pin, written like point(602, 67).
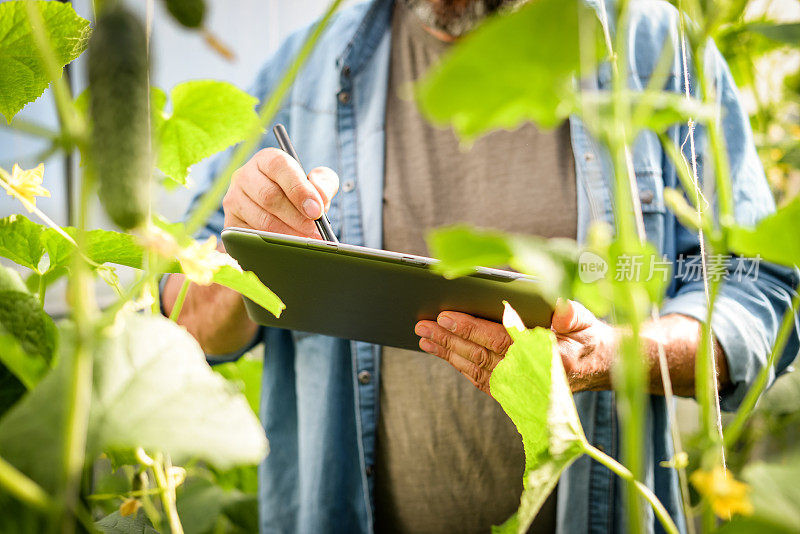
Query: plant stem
point(623, 472)
point(23, 488)
point(211, 199)
point(167, 491)
point(176, 309)
point(734, 430)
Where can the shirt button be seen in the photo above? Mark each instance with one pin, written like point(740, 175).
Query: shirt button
point(364, 377)
point(369, 470)
point(646, 196)
point(346, 70)
point(348, 186)
point(344, 97)
point(588, 156)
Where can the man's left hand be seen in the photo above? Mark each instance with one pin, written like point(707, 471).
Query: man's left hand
point(475, 346)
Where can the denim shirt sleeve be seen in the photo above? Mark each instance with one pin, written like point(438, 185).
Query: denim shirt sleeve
point(749, 309)
point(263, 86)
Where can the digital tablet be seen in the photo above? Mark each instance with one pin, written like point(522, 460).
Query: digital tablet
point(371, 295)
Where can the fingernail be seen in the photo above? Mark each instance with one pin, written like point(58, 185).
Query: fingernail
point(427, 346)
point(422, 330)
point(446, 322)
point(312, 209)
point(562, 305)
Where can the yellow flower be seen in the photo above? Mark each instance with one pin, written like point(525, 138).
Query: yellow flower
point(25, 185)
point(200, 261)
point(727, 495)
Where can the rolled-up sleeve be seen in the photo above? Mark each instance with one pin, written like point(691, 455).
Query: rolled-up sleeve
point(755, 295)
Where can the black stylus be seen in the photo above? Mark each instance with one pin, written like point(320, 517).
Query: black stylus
point(323, 224)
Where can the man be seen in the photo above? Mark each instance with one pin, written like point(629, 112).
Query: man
point(367, 438)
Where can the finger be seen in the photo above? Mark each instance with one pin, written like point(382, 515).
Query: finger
point(477, 375)
point(270, 197)
point(488, 334)
point(570, 316)
point(326, 182)
point(469, 350)
point(285, 171)
point(241, 207)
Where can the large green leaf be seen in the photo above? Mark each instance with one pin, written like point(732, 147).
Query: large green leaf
point(531, 386)
point(22, 74)
point(203, 505)
point(207, 117)
point(517, 66)
point(245, 374)
point(19, 240)
point(774, 238)
point(152, 388)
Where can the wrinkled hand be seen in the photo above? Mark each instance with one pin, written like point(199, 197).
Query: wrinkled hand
point(270, 192)
point(475, 346)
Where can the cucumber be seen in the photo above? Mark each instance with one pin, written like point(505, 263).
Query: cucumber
point(189, 13)
point(118, 106)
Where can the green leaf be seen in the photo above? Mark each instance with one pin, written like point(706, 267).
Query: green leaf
point(19, 239)
point(248, 284)
point(117, 523)
point(783, 33)
point(531, 386)
point(201, 504)
point(22, 74)
point(207, 117)
point(515, 67)
point(774, 238)
point(460, 249)
point(152, 388)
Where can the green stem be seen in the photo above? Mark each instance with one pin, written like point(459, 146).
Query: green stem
point(734, 430)
point(23, 488)
point(211, 199)
point(176, 309)
point(167, 492)
point(34, 129)
point(648, 495)
point(41, 289)
point(79, 385)
point(110, 496)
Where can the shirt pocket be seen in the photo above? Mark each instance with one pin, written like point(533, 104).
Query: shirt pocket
point(650, 184)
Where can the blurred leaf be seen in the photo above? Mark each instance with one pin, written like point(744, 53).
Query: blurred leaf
point(783, 33)
point(10, 280)
point(774, 238)
point(152, 388)
point(531, 386)
point(116, 523)
point(775, 495)
point(207, 117)
point(460, 249)
point(245, 374)
point(23, 77)
point(27, 341)
point(202, 504)
point(515, 67)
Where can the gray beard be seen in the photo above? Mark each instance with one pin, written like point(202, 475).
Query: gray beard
point(456, 17)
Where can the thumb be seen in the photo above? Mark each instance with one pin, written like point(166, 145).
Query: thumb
point(326, 182)
point(570, 316)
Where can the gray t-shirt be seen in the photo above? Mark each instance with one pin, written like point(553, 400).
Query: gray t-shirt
point(448, 458)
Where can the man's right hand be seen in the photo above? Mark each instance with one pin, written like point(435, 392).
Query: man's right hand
point(271, 193)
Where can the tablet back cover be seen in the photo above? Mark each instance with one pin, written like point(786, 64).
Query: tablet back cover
point(369, 295)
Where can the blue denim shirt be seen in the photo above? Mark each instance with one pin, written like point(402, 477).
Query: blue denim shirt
point(319, 402)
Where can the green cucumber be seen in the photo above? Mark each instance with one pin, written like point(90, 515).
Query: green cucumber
point(118, 106)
